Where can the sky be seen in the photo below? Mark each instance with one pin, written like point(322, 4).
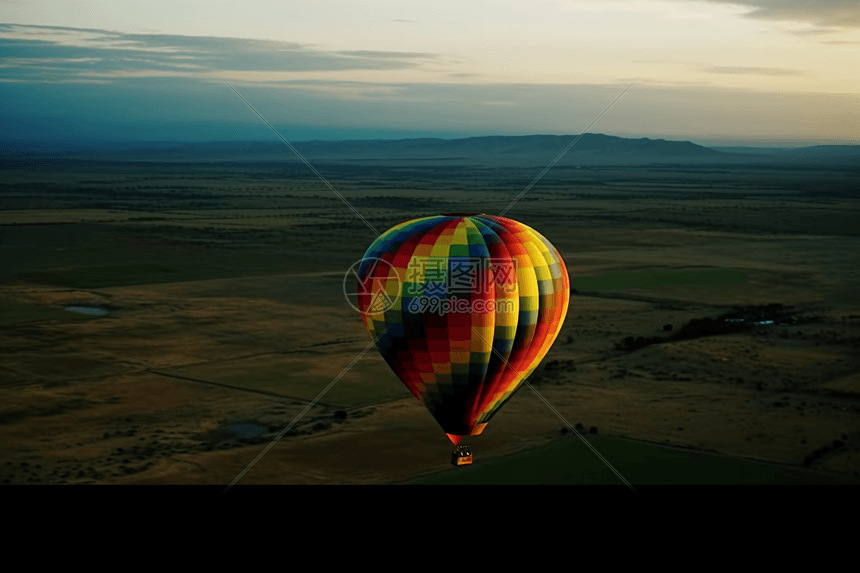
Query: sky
point(715, 72)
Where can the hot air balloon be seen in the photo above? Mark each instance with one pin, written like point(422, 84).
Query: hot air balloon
point(465, 306)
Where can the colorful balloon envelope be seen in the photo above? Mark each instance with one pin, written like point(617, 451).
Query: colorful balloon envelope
point(464, 307)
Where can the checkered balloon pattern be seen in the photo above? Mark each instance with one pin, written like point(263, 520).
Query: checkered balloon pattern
point(464, 308)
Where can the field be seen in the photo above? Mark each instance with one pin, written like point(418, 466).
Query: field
point(572, 462)
point(224, 290)
point(17, 312)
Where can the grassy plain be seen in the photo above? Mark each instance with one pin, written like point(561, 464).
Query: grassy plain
point(18, 312)
point(569, 461)
point(224, 283)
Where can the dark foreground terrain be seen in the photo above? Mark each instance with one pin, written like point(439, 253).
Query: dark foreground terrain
point(714, 311)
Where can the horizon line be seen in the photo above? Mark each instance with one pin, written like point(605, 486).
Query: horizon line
point(713, 142)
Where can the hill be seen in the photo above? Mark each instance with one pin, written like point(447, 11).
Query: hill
point(528, 150)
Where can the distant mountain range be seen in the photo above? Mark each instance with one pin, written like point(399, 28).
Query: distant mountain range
point(589, 149)
point(506, 146)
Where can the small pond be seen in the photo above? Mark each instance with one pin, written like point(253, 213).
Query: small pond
point(247, 430)
point(91, 310)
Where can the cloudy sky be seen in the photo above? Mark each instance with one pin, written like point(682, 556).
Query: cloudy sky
point(715, 72)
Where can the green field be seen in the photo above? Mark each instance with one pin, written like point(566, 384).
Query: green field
point(569, 461)
point(17, 312)
point(657, 278)
point(104, 275)
point(128, 254)
point(364, 383)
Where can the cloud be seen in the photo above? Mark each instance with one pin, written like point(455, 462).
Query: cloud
point(759, 71)
point(824, 13)
point(340, 89)
point(841, 42)
point(21, 62)
point(81, 53)
point(348, 90)
point(387, 55)
point(813, 31)
point(835, 14)
point(47, 80)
